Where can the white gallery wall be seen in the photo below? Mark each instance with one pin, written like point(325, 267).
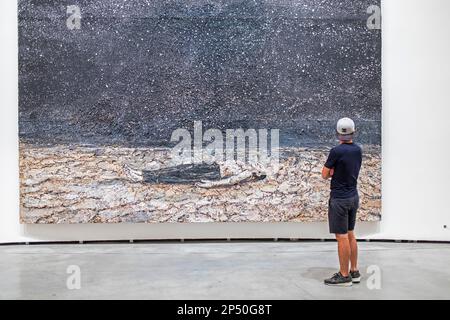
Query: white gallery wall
point(416, 141)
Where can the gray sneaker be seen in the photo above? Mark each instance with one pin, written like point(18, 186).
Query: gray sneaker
point(339, 280)
point(356, 276)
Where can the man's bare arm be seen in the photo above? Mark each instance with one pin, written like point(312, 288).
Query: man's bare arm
point(327, 173)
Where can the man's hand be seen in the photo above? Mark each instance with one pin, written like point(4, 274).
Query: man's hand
point(327, 173)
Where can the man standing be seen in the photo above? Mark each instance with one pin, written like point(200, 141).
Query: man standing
point(342, 166)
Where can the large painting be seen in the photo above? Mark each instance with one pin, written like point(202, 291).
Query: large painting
point(188, 111)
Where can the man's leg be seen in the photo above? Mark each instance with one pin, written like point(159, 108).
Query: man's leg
point(338, 220)
point(353, 251)
point(344, 253)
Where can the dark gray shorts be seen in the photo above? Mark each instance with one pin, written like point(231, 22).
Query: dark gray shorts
point(342, 214)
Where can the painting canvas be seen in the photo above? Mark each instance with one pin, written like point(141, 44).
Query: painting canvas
point(154, 111)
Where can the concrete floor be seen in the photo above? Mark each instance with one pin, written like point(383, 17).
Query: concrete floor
point(245, 270)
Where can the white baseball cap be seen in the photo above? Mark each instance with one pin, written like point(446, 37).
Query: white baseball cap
point(345, 127)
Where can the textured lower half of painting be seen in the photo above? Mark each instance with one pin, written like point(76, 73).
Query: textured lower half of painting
point(188, 111)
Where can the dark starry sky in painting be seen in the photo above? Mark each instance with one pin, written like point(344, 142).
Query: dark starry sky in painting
point(137, 70)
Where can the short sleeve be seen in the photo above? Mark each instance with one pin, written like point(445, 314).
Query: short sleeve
point(332, 159)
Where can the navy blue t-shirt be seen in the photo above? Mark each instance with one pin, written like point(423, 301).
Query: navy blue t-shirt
point(346, 161)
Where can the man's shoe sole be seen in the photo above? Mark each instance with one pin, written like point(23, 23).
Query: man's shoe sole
point(345, 284)
point(356, 280)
